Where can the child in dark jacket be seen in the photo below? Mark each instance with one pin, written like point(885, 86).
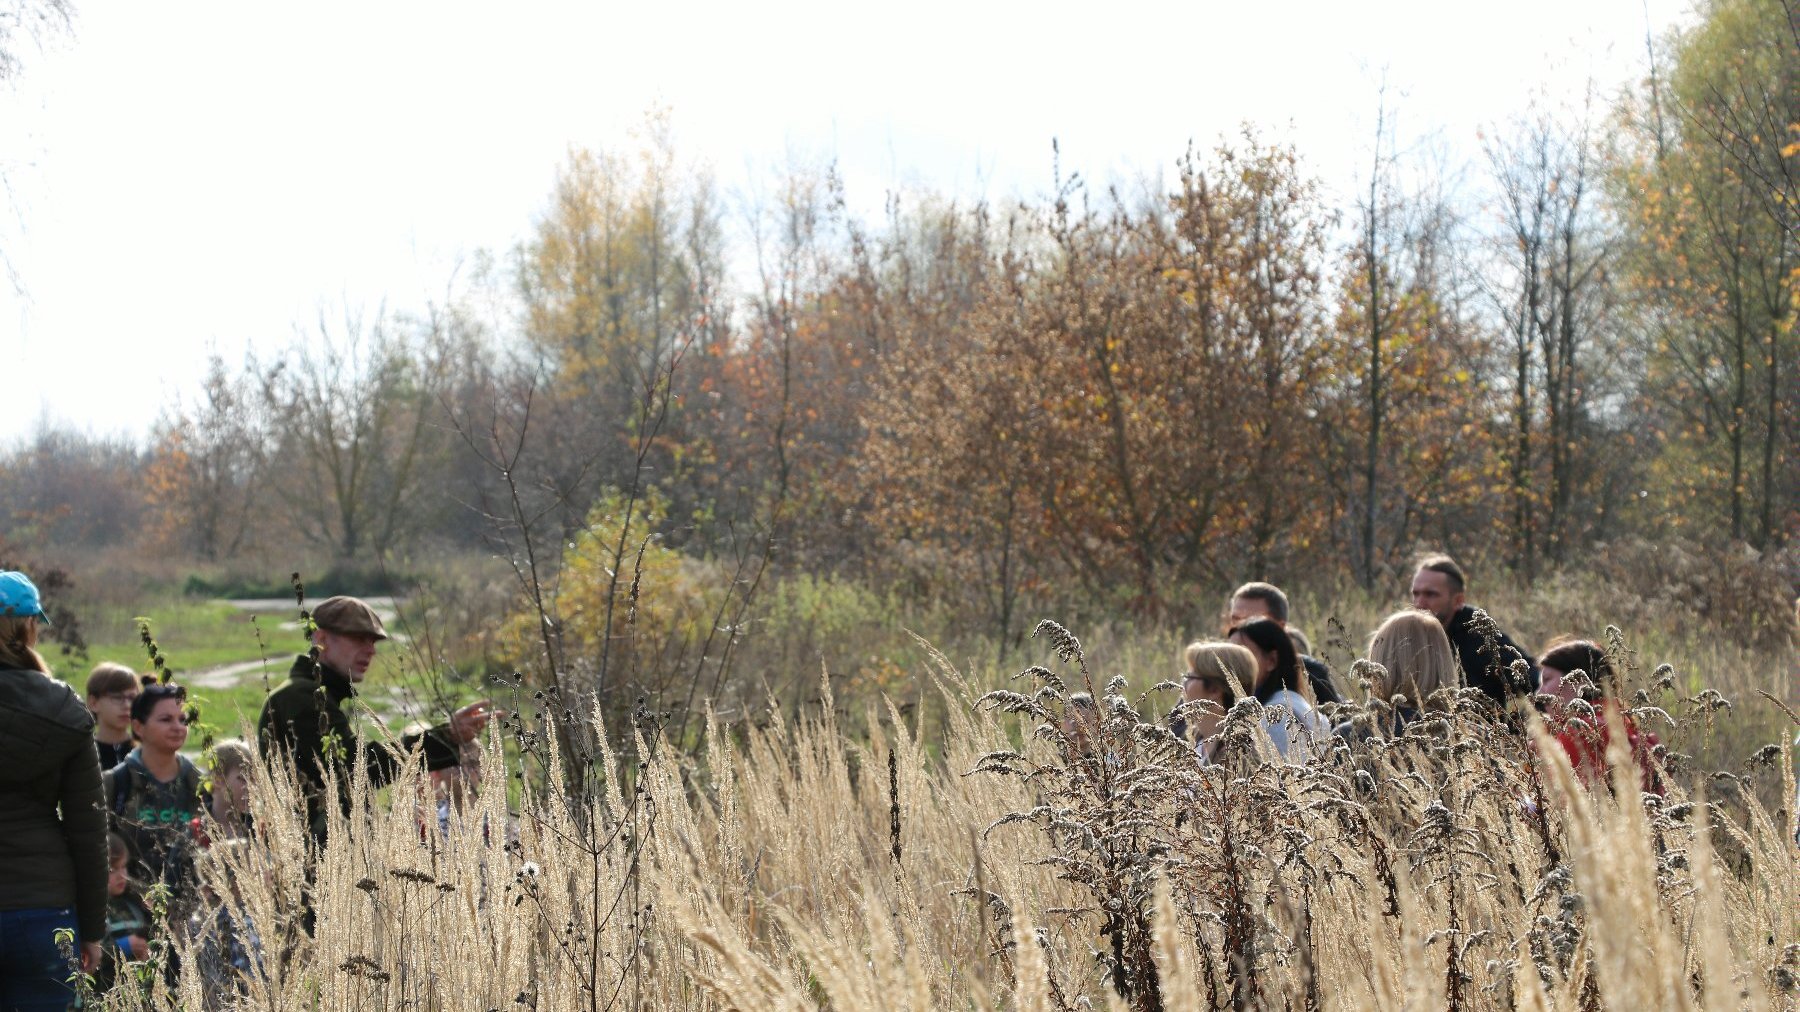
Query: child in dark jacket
point(128, 921)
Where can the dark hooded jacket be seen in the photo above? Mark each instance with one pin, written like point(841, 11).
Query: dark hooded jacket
point(1320, 677)
point(1485, 669)
point(306, 714)
point(52, 813)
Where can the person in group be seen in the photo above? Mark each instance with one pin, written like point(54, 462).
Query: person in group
point(456, 789)
point(1416, 661)
point(52, 816)
point(306, 712)
point(1564, 657)
point(110, 690)
point(1585, 733)
point(451, 791)
point(1210, 669)
point(1081, 720)
point(154, 794)
point(228, 950)
point(226, 799)
point(1438, 586)
point(128, 922)
point(1303, 646)
point(1265, 600)
point(1281, 681)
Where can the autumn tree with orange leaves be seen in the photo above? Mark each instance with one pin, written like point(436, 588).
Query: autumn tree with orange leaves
point(1130, 404)
point(1411, 446)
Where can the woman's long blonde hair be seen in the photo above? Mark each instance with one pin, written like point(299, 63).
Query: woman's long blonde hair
point(18, 644)
point(1412, 648)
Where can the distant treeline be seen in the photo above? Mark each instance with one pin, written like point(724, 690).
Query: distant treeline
point(1116, 394)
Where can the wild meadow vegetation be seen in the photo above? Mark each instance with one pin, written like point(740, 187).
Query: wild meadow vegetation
point(789, 863)
point(756, 536)
point(874, 825)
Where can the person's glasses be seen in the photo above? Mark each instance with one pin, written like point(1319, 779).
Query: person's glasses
point(120, 697)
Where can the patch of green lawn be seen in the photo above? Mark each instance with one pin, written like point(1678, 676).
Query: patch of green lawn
point(193, 634)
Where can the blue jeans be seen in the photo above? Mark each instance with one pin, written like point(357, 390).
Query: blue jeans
point(34, 973)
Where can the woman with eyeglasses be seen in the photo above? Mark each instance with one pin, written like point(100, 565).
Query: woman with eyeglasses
point(52, 824)
point(154, 795)
point(1206, 682)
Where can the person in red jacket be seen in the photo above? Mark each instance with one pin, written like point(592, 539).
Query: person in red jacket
point(1580, 680)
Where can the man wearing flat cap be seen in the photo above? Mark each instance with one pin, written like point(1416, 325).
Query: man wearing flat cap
point(305, 716)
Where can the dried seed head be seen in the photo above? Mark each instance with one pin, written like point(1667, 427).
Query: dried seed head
point(1062, 641)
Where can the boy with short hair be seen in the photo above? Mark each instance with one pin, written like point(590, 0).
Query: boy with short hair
point(110, 689)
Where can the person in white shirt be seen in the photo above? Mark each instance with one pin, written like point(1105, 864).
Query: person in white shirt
point(1281, 681)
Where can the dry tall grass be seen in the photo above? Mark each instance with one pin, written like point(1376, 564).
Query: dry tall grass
point(1007, 868)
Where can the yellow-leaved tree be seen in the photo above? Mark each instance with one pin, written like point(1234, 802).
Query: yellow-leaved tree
point(626, 615)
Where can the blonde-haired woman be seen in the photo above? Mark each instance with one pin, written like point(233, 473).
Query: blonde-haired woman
point(52, 816)
point(1211, 666)
point(1416, 661)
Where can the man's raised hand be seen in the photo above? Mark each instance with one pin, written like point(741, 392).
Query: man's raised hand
point(467, 723)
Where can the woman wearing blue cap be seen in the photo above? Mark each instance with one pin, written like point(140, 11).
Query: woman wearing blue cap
point(52, 820)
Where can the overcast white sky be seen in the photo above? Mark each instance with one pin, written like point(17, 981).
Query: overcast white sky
point(192, 176)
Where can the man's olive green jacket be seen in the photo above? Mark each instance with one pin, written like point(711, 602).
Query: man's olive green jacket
point(305, 717)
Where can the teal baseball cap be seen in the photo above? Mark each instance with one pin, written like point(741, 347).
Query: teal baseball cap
point(19, 596)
